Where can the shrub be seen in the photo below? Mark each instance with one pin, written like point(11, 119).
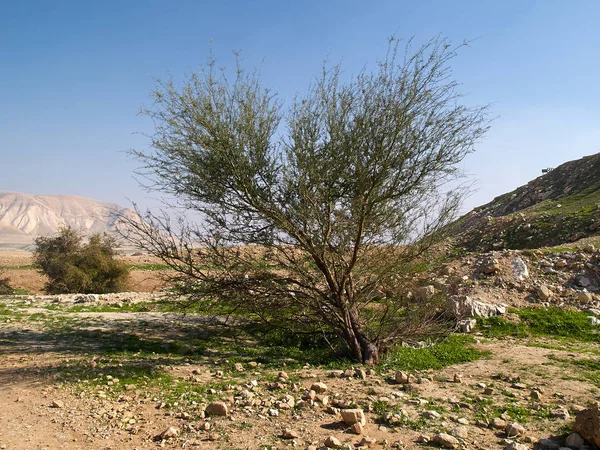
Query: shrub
point(5, 287)
point(73, 266)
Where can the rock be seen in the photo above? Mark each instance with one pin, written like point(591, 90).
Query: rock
point(467, 325)
point(514, 429)
point(584, 296)
point(86, 298)
point(57, 404)
point(319, 387)
point(423, 439)
point(464, 307)
point(238, 367)
point(357, 428)
point(170, 432)
point(498, 423)
point(336, 374)
point(216, 409)
point(289, 434)
point(589, 248)
point(549, 444)
point(332, 441)
point(445, 440)
point(352, 416)
point(544, 293)
point(574, 440)
point(587, 424)
point(424, 293)
point(560, 413)
point(431, 414)
point(519, 269)
point(583, 281)
point(460, 432)
point(457, 378)
point(535, 395)
point(401, 377)
point(594, 320)
point(516, 446)
point(213, 437)
point(367, 441)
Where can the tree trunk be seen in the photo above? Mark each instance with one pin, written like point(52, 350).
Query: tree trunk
point(361, 348)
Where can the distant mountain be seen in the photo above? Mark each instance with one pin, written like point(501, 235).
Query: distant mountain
point(23, 217)
point(560, 206)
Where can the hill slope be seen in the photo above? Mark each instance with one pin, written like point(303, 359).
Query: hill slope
point(560, 206)
point(23, 217)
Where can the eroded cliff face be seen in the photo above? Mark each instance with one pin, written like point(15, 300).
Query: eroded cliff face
point(23, 217)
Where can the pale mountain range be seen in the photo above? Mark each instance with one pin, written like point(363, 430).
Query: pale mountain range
point(23, 217)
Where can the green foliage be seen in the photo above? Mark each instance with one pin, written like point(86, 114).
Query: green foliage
point(453, 350)
point(554, 322)
point(73, 266)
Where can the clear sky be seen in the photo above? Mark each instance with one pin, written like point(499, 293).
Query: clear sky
point(73, 75)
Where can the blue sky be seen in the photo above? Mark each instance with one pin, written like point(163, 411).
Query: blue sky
point(73, 75)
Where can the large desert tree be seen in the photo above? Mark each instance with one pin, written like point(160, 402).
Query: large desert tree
point(309, 215)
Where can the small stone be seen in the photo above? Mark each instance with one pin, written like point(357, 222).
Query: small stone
point(460, 432)
point(431, 414)
point(213, 437)
point(423, 439)
point(170, 432)
point(57, 404)
point(216, 409)
point(352, 416)
point(319, 387)
point(463, 421)
point(357, 428)
point(367, 441)
point(288, 433)
point(535, 395)
point(332, 441)
point(514, 429)
point(445, 440)
point(238, 367)
point(516, 446)
point(401, 377)
point(584, 296)
point(544, 293)
point(498, 423)
point(560, 413)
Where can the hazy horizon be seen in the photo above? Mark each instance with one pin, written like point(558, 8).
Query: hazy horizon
point(75, 75)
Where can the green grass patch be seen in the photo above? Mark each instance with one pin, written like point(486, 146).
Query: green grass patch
point(453, 350)
point(543, 322)
point(149, 267)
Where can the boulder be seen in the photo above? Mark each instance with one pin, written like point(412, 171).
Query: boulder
point(587, 424)
point(424, 293)
point(464, 307)
point(519, 268)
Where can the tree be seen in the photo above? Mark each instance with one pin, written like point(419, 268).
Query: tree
point(311, 215)
point(73, 266)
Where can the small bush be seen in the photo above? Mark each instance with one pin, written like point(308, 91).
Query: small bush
point(73, 266)
point(5, 287)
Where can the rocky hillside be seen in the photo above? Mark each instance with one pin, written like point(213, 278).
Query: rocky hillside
point(23, 217)
point(560, 206)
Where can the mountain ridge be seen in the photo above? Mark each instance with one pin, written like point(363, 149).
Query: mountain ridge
point(23, 217)
point(560, 206)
